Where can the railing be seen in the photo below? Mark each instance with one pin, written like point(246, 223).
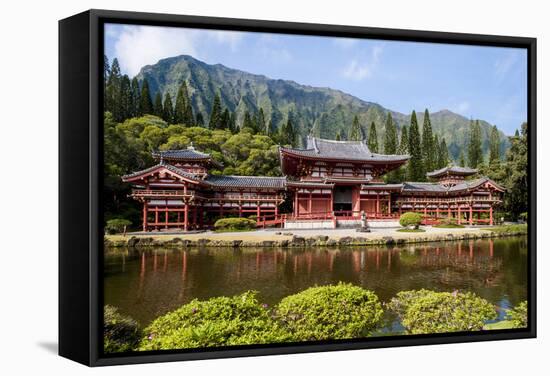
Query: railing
point(160, 193)
point(407, 200)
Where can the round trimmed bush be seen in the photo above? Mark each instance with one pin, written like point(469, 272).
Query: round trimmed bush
point(120, 333)
point(425, 311)
point(518, 315)
point(410, 219)
point(234, 224)
point(330, 312)
point(117, 225)
point(220, 321)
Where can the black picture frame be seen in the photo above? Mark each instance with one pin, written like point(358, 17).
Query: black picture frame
point(80, 182)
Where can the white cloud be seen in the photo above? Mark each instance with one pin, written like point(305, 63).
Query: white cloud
point(273, 49)
point(345, 42)
point(138, 46)
point(359, 70)
point(462, 107)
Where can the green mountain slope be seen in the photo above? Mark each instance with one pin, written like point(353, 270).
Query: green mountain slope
point(321, 111)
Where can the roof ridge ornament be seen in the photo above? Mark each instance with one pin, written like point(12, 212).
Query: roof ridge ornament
point(191, 147)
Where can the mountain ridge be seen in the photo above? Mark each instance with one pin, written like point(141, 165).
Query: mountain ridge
point(321, 111)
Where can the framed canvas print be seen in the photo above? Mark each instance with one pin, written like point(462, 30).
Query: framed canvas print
point(239, 187)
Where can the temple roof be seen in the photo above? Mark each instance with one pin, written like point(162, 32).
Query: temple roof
point(246, 181)
point(318, 148)
point(160, 165)
point(452, 170)
point(183, 155)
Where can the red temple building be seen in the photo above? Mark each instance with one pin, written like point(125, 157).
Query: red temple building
point(328, 183)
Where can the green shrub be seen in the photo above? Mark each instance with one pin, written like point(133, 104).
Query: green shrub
point(330, 312)
point(220, 321)
point(117, 225)
point(424, 311)
point(234, 224)
point(518, 315)
point(510, 229)
point(410, 219)
point(448, 223)
point(120, 333)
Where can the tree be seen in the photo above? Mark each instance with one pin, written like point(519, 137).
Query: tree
point(355, 131)
point(338, 136)
point(216, 113)
point(113, 102)
point(516, 174)
point(125, 98)
point(428, 147)
point(287, 135)
point(157, 105)
point(494, 146)
point(415, 169)
point(168, 109)
point(261, 126)
point(225, 119)
point(475, 156)
point(390, 137)
point(200, 119)
point(188, 117)
point(373, 138)
point(461, 160)
point(443, 155)
point(145, 103)
point(247, 122)
point(136, 98)
point(404, 142)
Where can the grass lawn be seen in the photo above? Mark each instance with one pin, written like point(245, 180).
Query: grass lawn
point(411, 230)
point(234, 230)
point(520, 229)
point(504, 324)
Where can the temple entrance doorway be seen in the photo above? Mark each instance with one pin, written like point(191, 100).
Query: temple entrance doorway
point(342, 199)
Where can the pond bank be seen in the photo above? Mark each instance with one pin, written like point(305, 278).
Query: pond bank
point(302, 238)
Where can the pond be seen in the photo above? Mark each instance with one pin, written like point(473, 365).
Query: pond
point(147, 284)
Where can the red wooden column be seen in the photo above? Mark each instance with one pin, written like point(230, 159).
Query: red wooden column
point(459, 215)
point(471, 215)
point(297, 203)
point(491, 215)
point(331, 207)
point(377, 205)
point(186, 216)
point(156, 217)
point(309, 202)
point(195, 215)
point(144, 215)
point(240, 203)
point(389, 204)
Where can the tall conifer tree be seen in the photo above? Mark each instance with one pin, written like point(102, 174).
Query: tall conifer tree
point(168, 109)
point(260, 122)
point(404, 142)
point(225, 119)
point(494, 145)
point(390, 137)
point(125, 98)
point(443, 156)
point(429, 149)
point(216, 113)
point(475, 156)
point(415, 169)
point(157, 105)
point(188, 117)
point(146, 104)
point(136, 97)
point(287, 133)
point(355, 131)
point(200, 119)
point(373, 138)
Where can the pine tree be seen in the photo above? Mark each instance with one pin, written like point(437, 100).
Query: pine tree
point(113, 97)
point(225, 119)
point(443, 156)
point(260, 122)
point(287, 134)
point(179, 109)
point(216, 113)
point(200, 119)
point(415, 170)
point(136, 98)
point(429, 151)
point(157, 105)
point(390, 137)
point(355, 131)
point(494, 146)
point(106, 69)
point(233, 123)
point(373, 138)
point(404, 143)
point(461, 161)
point(168, 109)
point(247, 121)
point(126, 98)
point(145, 103)
point(475, 156)
point(188, 117)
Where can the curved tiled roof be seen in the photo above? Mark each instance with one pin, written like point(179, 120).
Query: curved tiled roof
point(343, 150)
point(169, 167)
point(452, 170)
point(180, 154)
point(246, 181)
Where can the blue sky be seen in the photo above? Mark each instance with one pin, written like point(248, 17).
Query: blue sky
point(488, 83)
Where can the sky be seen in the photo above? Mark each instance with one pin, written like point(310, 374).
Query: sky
point(488, 83)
